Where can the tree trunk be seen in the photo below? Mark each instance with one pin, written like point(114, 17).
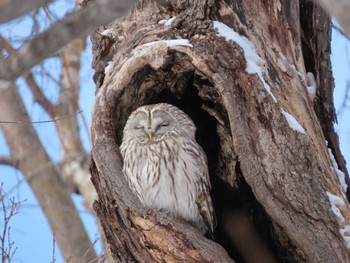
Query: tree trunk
point(29, 156)
point(240, 73)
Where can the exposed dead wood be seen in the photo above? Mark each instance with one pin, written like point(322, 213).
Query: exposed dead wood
point(258, 162)
point(316, 36)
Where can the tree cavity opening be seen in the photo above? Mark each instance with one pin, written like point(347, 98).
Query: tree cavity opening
point(193, 93)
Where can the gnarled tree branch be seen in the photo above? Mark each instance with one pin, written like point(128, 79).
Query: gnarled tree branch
point(11, 9)
point(42, 175)
point(38, 95)
point(74, 25)
point(6, 160)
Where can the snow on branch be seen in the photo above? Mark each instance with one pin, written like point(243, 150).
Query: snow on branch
point(336, 204)
point(252, 58)
point(167, 22)
point(171, 43)
point(292, 122)
point(311, 85)
point(74, 25)
point(340, 174)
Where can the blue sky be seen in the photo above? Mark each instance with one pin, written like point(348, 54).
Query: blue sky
point(341, 73)
point(29, 229)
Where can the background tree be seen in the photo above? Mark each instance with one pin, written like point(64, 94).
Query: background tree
point(204, 85)
point(52, 184)
point(28, 154)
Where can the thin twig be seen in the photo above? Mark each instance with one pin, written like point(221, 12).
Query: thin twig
point(31, 83)
point(74, 25)
point(45, 121)
point(87, 252)
point(39, 95)
point(7, 161)
point(39, 169)
point(53, 249)
point(6, 245)
point(98, 258)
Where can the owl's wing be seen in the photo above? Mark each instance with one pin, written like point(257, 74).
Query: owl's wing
point(203, 199)
point(206, 210)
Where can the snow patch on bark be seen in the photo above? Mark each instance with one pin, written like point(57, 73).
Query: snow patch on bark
point(296, 71)
point(292, 122)
point(337, 202)
point(254, 62)
point(345, 232)
point(171, 43)
point(292, 66)
point(341, 175)
point(109, 67)
point(106, 33)
point(167, 22)
point(311, 85)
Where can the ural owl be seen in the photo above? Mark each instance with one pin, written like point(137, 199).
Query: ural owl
point(165, 166)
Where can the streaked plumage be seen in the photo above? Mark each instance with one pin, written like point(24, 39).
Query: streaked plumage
point(165, 166)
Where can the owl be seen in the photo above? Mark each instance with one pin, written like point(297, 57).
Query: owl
point(165, 166)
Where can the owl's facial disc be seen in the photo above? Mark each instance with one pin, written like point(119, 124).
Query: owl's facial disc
point(153, 126)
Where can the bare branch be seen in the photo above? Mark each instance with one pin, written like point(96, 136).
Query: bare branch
point(45, 121)
point(47, 185)
point(341, 31)
point(340, 9)
point(346, 98)
point(11, 9)
point(38, 95)
point(7, 248)
point(75, 171)
point(6, 160)
point(74, 25)
point(53, 249)
point(5, 45)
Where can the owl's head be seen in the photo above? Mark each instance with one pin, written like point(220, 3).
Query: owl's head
point(153, 123)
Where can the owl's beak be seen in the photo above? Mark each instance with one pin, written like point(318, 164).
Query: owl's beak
point(150, 136)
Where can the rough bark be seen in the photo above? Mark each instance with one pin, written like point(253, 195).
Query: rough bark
point(29, 156)
point(316, 35)
point(258, 163)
